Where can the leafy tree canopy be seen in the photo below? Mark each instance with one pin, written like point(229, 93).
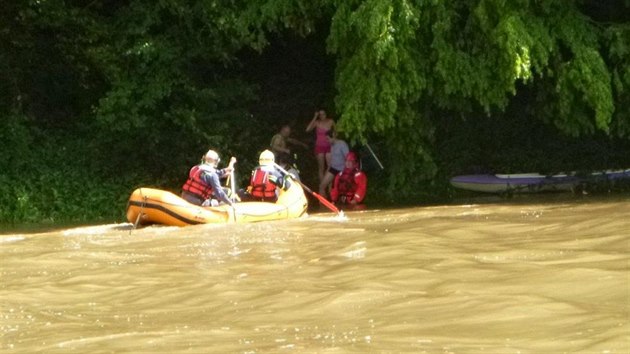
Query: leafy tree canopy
point(137, 78)
point(403, 65)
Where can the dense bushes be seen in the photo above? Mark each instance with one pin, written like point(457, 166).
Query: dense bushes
point(55, 196)
point(52, 180)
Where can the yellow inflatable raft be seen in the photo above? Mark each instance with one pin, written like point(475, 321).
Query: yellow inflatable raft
point(155, 206)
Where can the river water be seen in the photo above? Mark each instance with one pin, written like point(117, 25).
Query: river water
point(511, 277)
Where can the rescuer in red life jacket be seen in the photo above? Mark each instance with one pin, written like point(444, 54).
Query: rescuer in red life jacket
point(202, 186)
point(349, 186)
point(265, 179)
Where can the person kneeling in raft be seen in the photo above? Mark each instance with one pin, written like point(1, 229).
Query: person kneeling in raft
point(203, 187)
point(265, 180)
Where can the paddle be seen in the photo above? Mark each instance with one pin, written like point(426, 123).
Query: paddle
point(321, 199)
point(231, 180)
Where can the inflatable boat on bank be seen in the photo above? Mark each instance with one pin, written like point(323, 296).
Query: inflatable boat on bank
point(533, 182)
point(154, 206)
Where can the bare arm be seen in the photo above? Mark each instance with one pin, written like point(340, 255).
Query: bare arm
point(313, 123)
point(296, 142)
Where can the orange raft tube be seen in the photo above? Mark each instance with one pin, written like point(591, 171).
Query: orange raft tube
point(154, 206)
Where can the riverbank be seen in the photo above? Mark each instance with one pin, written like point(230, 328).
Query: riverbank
point(460, 198)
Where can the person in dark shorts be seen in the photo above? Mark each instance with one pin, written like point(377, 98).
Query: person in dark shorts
point(338, 151)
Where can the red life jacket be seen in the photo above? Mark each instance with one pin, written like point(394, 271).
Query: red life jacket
point(347, 184)
point(262, 187)
point(195, 185)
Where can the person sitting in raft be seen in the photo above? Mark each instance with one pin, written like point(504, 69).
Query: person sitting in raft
point(350, 185)
point(203, 187)
point(286, 161)
point(265, 180)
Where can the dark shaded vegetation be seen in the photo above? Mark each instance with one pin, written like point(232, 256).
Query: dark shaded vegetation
point(99, 97)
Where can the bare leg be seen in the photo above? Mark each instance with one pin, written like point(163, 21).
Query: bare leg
point(328, 156)
point(323, 186)
point(321, 165)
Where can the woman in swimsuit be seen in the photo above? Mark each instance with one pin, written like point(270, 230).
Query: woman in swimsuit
point(322, 124)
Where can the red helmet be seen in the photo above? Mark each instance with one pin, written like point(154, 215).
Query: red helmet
point(352, 156)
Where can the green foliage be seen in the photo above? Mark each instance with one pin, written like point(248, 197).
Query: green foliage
point(618, 41)
point(121, 93)
point(379, 70)
point(47, 76)
point(100, 96)
point(463, 55)
point(402, 64)
point(167, 62)
point(584, 90)
point(260, 16)
point(54, 183)
point(17, 140)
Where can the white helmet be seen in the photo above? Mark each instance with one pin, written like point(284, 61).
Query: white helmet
point(266, 158)
point(212, 157)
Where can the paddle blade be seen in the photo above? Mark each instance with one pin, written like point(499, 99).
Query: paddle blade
point(326, 203)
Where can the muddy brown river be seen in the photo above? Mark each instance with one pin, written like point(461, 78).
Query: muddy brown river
point(548, 276)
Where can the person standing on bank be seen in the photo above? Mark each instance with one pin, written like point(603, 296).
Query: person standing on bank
point(202, 186)
point(280, 142)
point(322, 124)
point(338, 151)
point(350, 185)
